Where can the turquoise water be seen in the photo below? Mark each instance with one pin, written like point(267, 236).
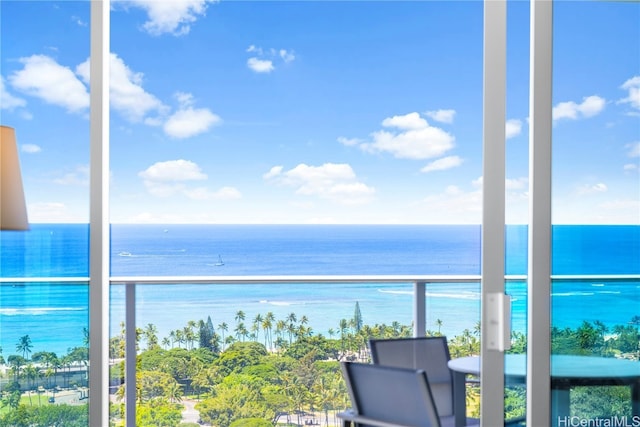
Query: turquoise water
point(54, 314)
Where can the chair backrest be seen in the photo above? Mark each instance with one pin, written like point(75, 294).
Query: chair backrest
point(430, 354)
point(394, 395)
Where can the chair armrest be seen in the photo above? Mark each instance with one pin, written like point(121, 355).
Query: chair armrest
point(349, 416)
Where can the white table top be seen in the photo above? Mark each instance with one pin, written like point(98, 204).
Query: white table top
point(562, 366)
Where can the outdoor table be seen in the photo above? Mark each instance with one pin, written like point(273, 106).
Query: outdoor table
point(566, 371)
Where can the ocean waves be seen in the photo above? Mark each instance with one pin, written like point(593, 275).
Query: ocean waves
point(465, 295)
point(38, 311)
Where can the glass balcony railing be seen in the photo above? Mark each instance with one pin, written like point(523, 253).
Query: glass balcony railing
point(44, 351)
point(201, 342)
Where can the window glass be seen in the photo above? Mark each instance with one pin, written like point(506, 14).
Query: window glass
point(44, 96)
point(596, 205)
point(294, 138)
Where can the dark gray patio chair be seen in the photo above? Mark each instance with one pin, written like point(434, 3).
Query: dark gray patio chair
point(383, 396)
point(430, 354)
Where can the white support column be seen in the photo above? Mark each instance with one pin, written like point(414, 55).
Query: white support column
point(130, 354)
point(493, 203)
point(99, 217)
point(539, 263)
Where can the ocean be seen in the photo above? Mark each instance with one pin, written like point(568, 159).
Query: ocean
point(54, 314)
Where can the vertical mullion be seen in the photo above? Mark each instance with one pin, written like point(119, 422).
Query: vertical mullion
point(419, 309)
point(130, 354)
point(493, 202)
point(99, 216)
point(539, 262)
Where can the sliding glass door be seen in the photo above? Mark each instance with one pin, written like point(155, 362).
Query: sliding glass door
point(595, 293)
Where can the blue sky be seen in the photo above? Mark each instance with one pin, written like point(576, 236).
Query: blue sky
point(316, 112)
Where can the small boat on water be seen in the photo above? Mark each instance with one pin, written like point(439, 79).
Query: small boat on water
point(124, 253)
point(220, 262)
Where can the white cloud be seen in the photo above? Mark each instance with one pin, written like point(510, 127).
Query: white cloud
point(592, 188)
point(407, 122)
point(189, 121)
point(513, 127)
point(30, 148)
point(443, 116)
point(287, 56)
point(164, 179)
point(633, 87)
point(79, 177)
point(173, 17)
point(413, 139)
point(630, 167)
point(414, 144)
point(8, 101)
point(456, 205)
point(442, 164)
point(590, 106)
point(44, 78)
point(263, 59)
point(260, 65)
point(512, 184)
point(335, 182)
point(135, 104)
point(173, 170)
point(127, 95)
point(349, 141)
point(634, 149)
point(184, 99)
point(273, 172)
point(79, 21)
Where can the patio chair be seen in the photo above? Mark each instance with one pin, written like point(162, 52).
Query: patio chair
point(430, 354)
point(383, 396)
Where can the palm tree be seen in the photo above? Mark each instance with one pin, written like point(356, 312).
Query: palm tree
point(291, 330)
point(166, 342)
point(151, 335)
point(16, 362)
point(255, 330)
point(257, 323)
point(30, 373)
point(48, 374)
point(395, 325)
point(229, 340)
point(241, 331)
point(240, 316)
point(179, 337)
point(292, 318)
point(223, 327)
point(24, 346)
point(215, 343)
point(190, 333)
point(173, 392)
point(331, 332)
point(281, 326)
point(269, 319)
point(189, 336)
point(344, 325)
point(439, 325)
point(266, 328)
